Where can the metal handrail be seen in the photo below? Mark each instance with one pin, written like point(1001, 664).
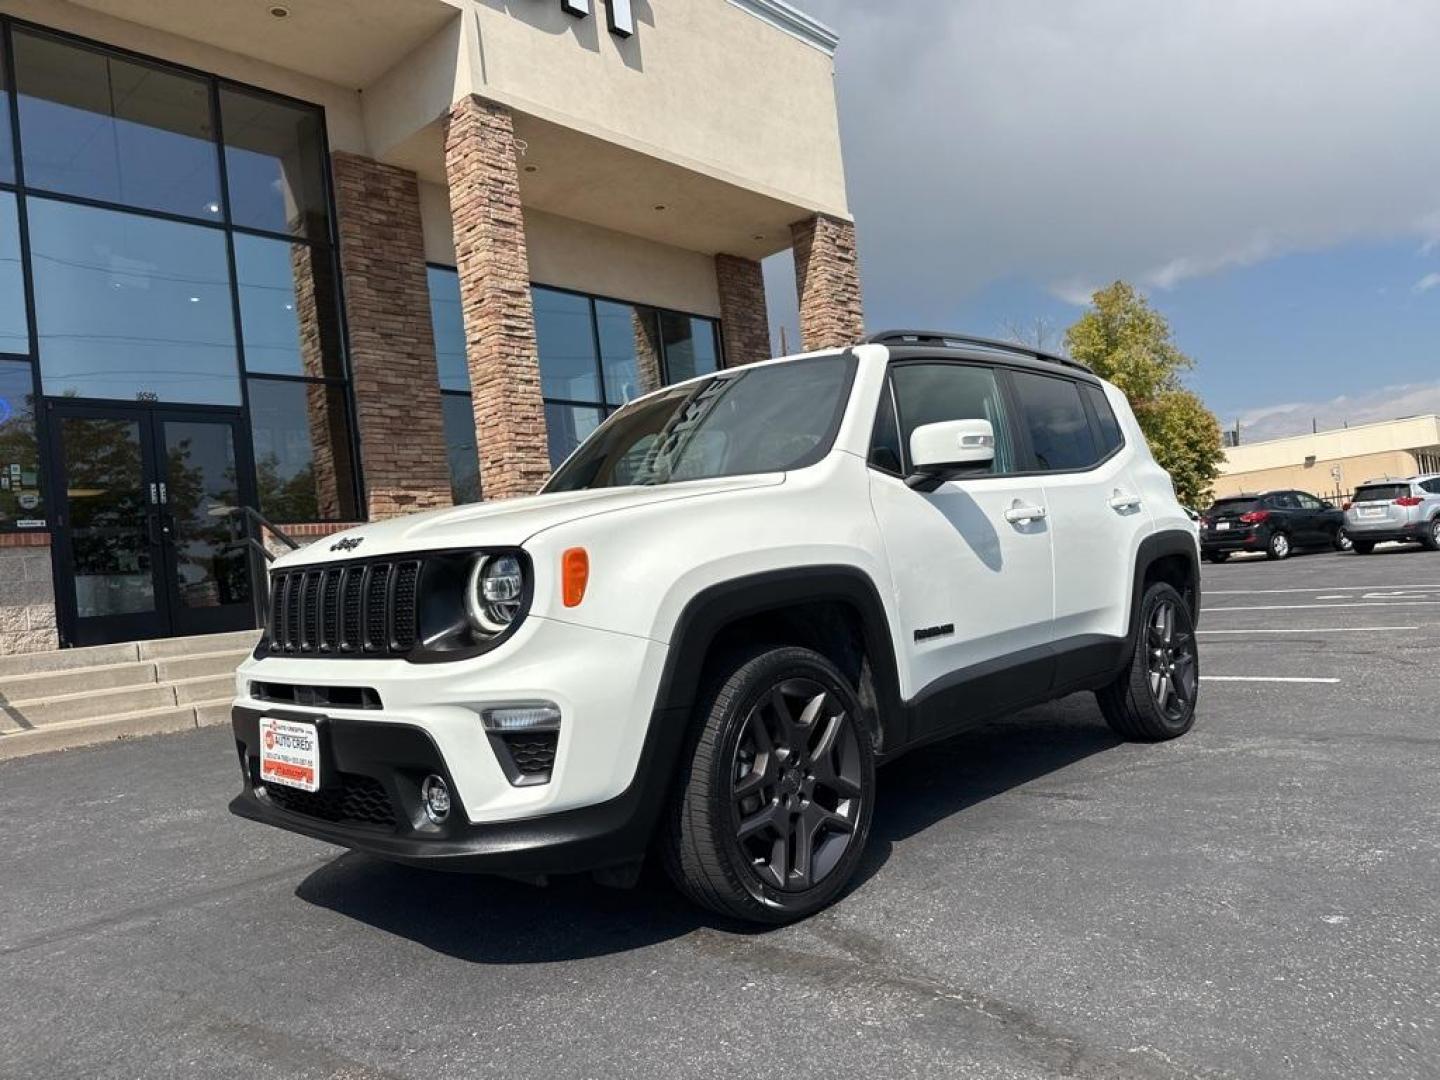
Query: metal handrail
point(254, 526)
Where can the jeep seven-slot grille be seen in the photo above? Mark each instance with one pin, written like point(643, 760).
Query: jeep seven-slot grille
point(363, 609)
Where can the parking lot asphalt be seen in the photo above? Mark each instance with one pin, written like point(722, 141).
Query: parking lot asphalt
point(1257, 899)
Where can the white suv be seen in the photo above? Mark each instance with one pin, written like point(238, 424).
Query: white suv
point(739, 596)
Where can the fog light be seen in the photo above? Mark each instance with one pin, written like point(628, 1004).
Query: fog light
point(531, 716)
point(435, 795)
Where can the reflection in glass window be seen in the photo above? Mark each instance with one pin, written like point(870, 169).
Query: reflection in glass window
point(275, 164)
point(934, 393)
point(21, 498)
point(288, 317)
point(449, 326)
point(7, 145)
point(108, 128)
point(1060, 434)
point(14, 333)
point(131, 307)
point(302, 451)
point(690, 347)
point(567, 346)
point(629, 350)
point(567, 426)
point(461, 448)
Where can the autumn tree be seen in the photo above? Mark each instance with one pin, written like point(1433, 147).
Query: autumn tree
point(1125, 340)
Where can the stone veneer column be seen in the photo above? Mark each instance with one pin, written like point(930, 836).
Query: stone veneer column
point(27, 595)
point(827, 277)
point(494, 267)
point(744, 319)
point(392, 343)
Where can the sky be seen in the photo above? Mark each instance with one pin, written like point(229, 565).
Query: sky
point(1267, 171)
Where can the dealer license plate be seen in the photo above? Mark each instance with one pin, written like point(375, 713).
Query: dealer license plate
point(1222, 526)
point(289, 753)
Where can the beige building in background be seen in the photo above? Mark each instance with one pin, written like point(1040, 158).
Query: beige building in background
point(1331, 464)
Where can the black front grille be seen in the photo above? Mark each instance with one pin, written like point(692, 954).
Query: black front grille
point(354, 609)
point(350, 799)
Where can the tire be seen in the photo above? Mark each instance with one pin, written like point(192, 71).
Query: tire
point(1431, 538)
point(788, 846)
point(1361, 547)
point(1278, 547)
point(1216, 556)
point(1341, 540)
point(1134, 706)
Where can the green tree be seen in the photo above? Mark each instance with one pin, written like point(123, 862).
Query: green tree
point(1128, 342)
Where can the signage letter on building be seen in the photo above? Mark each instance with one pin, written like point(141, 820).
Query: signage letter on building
point(617, 15)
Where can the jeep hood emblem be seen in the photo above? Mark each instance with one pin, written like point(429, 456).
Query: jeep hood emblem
point(350, 543)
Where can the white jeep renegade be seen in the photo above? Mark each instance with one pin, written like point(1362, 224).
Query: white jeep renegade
point(739, 596)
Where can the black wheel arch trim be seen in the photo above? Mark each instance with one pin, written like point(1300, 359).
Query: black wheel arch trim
point(1167, 543)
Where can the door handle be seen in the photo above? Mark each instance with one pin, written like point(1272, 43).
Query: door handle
point(153, 529)
point(1018, 515)
point(1124, 502)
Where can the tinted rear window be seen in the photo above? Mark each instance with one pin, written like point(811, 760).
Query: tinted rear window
point(1381, 492)
point(1232, 506)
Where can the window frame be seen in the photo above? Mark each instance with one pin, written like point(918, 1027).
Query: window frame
point(225, 224)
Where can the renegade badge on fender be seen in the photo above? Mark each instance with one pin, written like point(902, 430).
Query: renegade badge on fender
point(737, 598)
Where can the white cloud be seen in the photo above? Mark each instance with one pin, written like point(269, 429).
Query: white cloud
point(1095, 139)
point(1296, 418)
point(1426, 283)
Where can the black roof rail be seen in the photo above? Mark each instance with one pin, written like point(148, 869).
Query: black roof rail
point(944, 339)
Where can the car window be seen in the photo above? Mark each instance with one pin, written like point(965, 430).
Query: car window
point(1308, 502)
point(885, 452)
point(1237, 504)
point(1381, 492)
point(1060, 433)
point(1432, 486)
point(1110, 437)
point(1282, 500)
point(931, 393)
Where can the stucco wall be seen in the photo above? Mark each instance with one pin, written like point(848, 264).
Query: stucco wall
point(1317, 478)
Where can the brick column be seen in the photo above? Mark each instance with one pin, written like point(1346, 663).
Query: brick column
point(744, 319)
point(392, 344)
point(827, 277)
point(494, 266)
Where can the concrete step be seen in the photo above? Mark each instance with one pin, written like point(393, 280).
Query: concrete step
point(47, 684)
point(164, 648)
point(89, 705)
point(205, 688)
point(75, 733)
point(192, 667)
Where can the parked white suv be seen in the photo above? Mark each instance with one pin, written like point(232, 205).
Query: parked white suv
point(739, 596)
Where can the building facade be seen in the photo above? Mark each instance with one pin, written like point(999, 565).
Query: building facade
point(1332, 464)
point(338, 260)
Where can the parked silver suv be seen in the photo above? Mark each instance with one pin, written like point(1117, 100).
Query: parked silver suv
point(1395, 510)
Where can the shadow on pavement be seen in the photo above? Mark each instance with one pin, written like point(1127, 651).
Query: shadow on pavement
point(491, 920)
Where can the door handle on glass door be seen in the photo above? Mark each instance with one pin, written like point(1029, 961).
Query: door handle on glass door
point(1123, 502)
point(1018, 515)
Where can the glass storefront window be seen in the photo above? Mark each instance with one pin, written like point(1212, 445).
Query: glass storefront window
point(566, 340)
point(14, 333)
point(275, 164)
point(109, 128)
point(449, 327)
point(302, 451)
point(7, 145)
point(690, 347)
point(21, 498)
point(131, 307)
point(460, 446)
point(629, 350)
point(289, 322)
point(567, 426)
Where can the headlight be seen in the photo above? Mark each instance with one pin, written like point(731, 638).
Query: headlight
point(495, 593)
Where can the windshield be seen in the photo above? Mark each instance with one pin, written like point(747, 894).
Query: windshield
point(772, 418)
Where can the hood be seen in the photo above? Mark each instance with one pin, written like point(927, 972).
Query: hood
point(506, 522)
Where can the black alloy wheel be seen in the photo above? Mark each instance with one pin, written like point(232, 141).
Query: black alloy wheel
point(1174, 673)
point(1155, 696)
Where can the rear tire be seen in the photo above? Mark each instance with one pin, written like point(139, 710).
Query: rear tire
point(774, 801)
point(1154, 698)
point(1216, 556)
point(1278, 547)
point(1361, 547)
point(1431, 536)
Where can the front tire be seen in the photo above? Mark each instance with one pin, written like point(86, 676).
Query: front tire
point(774, 803)
point(1278, 547)
point(1341, 540)
point(1361, 547)
point(1154, 698)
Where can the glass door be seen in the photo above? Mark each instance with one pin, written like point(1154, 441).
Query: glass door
point(143, 547)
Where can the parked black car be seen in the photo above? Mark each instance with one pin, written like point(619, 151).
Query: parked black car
point(1275, 522)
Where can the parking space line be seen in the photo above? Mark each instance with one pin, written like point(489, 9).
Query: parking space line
point(1312, 630)
point(1315, 607)
point(1411, 587)
point(1265, 678)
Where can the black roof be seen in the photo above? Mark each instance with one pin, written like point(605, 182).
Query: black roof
point(945, 339)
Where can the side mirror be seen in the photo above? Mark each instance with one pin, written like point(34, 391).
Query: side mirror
point(940, 451)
